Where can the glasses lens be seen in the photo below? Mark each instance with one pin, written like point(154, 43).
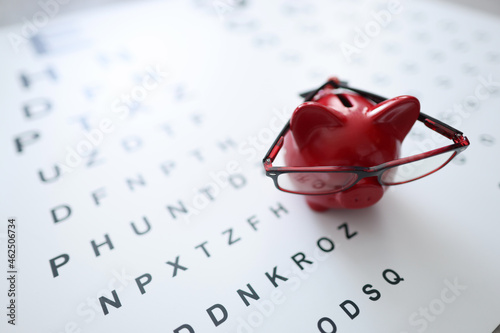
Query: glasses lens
point(315, 182)
point(415, 170)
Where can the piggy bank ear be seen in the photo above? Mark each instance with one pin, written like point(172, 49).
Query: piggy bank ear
point(397, 115)
point(311, 117)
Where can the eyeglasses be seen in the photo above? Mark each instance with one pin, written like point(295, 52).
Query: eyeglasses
point(320, 180)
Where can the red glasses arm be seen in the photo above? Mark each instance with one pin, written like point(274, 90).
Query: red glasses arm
point(440, 127)
point(276, 146)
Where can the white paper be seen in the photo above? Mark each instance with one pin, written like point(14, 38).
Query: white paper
point(196, 91)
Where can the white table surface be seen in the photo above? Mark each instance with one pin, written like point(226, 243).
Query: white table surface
point(13, 11)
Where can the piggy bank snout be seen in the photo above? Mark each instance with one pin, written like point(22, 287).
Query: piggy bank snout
point(364, 194)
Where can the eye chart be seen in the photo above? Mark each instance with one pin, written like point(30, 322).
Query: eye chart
point(133, 197)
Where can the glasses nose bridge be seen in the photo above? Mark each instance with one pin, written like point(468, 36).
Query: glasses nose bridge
point(371, 174)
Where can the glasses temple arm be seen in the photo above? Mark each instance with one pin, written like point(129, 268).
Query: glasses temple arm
point(376, 98)
point(276, 146)
point(439, 126)
point(308, 95)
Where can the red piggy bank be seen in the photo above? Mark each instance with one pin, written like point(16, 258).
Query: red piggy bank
point(341, 128)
